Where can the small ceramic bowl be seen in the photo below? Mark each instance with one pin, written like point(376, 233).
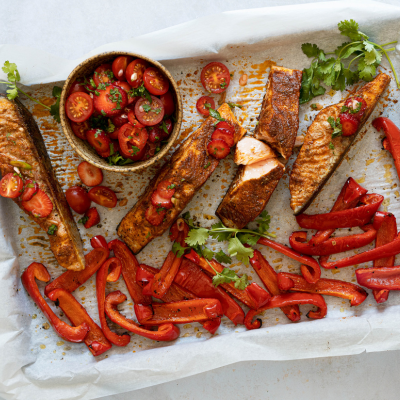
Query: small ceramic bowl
point(82, 147)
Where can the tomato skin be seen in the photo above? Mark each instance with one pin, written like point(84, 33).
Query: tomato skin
point(11, 185)
point(111, 101)
point(155, 134)
point(130, 137)
point(89, 174)
point(98, 242)
point(120, 120)
point(103, 196)
point(119, 67)
point(78, 199)
point(168, 102)
point(200, 105)
point(215, 77)
point(80, 129)
point(218, 149)
point(151, 117)
point(169, 125)
point(98, 139)
point(30, 189)
point(133, 121)
point(77, 87)
point(79, 107)
point(137, 67)
point(224, 135)
point(155, 82)
point(103, 74)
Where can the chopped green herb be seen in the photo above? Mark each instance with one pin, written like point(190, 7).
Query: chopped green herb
point(141, 91)
point(52, 229)
point(111, 149)
point(207, 165)
point(172, 186)
point(336, 126)
point(83, 220)
point(314, 106)
point(146, 107)
point(233, 105)
point(214, 113)
point(331, 145)
point(103, 113)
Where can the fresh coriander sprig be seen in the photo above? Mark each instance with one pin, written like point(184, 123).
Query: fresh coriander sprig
point(228, 276)
point(213, 113)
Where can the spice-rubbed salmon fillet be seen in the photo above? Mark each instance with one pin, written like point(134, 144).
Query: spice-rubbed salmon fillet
point(189, 168)
point(318, 159)
point(278, 121)
point(20, 140)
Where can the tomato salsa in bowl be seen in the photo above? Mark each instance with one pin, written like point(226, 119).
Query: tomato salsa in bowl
point(121, 111)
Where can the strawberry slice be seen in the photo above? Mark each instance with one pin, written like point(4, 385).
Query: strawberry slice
point(39, 205)
point(158, 201)
point(30, 189)
point(349, 124)
point(218, 149)
point(155, 215)
point(224, 135)
point(355, 106)
point(89, 174)
point(226, 126)
point(166, 189)
point(90, 218)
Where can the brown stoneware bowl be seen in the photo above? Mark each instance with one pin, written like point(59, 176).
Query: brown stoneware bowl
point(82, 147)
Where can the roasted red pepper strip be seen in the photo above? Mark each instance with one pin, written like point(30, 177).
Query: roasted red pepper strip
point(129, 266)
point(288, 299)
point(330, 287)
point(270, 279)
point(385, 223)
point(71, 280)
point(348, 197)
point(386, 250)
point(179, 232)
point(350, 218)
point(39, 271)
point(101, 280)
point(165, 333)
point(76, 313)
point(115, 271)
point(332, 245)
point(379, 278)
point(309, 268)
point(179, 312)
point(253, 299)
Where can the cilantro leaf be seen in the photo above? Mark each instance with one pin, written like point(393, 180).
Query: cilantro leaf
point(228, 276)
point(12, 93)
point(197, 237)
point(310, 50)
point(248, 238)
point(220, 236)
point(178, 250)
point(236, 249)
point(366, 72)
point(207, 253)
point(350, 29)
point(55, 108)
point(214, 113)
point(221, 257)
point(12, 72)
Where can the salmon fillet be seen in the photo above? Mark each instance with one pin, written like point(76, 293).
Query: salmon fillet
point(189, 168)
point(278, 121)
point(250, 150)
point(316, 160)
point(20, 140)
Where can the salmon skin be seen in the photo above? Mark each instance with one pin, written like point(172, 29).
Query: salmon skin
point(316, 161)
point(21, 140)
point(189, 168)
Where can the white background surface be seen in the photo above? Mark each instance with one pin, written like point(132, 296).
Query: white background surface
point(70, 29)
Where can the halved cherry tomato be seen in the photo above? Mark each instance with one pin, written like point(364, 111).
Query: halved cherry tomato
point(168, 102)
point(156, 134)
point(11, 185)
point(99, 140)
point(133, 121)
point(90, 218)
point(159, 201)
point(98, 241)
point(30, 189)
point(155, 215)
point(80, 129)
point(166, 189)
point(89, 174)
point(39, 205)
point(215, 77)
point(79, 107)
point(77, 86)
point(200, 105)
point(127, 88)
point(225, 125)
point(119, 66)
point(149, 114)
point(134, 72)
point(120, 120)
point(104, 196)
point(169, 125)
point(155, 82)
point(103, 74)
point(78, 199)
point(111, 101)
point(218, 149)
point(128, 141)
point(224, 135)
point(138, 156)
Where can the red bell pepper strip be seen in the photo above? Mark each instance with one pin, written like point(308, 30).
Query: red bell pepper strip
point(288, 299)
point(348, 197)
point(309, 268)
point(179, 312)
point(386, 250)
point(76, 313)
point(39, 271)
point(392, 133)
point(129, 266)
point(330, 287)
point(179, 232)
point(254, 297)
point(379, 278)
point(101, 280)
point(385, 224)
point(350, 218)
point(212, 325)
point(71, 280)
point(98, 241)
point(165, 333)
point(115, 271)
point(332, 245)
point(270, 279)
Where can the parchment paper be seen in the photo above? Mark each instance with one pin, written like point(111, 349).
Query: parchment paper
point(36, 363)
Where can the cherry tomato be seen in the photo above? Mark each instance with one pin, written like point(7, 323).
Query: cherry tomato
point(77, 86)
point(225, 125)
point(138, 156)
point(218, 149)
point(133, 121)
point(169, 125)
point(150, 150)
point(78, 199)
point(111, 101)
point(30, 189)
point(134, 72)
point(166, 189)
point(79, 107)
point(168, 102)
point(104, 196)
point(99, 140)
point(40, 205)
point(119, 67)
point(155, 215)
point(103, 74)
point(224, 135)
point(89, 174)
point(149, 114)
point(155, 82)
point(11, 185)
point(114, 135)
point(131, 140)
point(155, 134)
point(215, 77)
point(98, 242)
point(127, 88)
point(201, 105)
point(91, 218)
point(120, 120)
point(80, 129)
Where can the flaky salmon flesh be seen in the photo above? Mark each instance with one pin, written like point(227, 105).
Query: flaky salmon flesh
point(249, 151)
point(317, 159)
point(20, 140)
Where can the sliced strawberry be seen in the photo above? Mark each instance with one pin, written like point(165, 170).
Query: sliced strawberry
point(349, 124)
point(353, 107)
point(132, 119)
point(225, 125)
point(39, 205)
point(155, 215)
point(218, 149)
point(166, 189)
point(159, 201)
point(224, 135)
point(89, 174)
point(90, 218)
point(30, 189)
